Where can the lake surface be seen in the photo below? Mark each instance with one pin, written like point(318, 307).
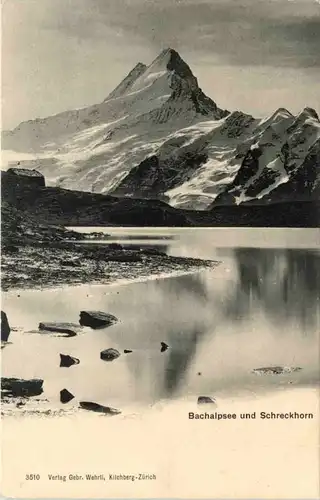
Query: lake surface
point(259, 307)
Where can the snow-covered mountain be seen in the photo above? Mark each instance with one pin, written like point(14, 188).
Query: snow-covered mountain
point(281, 161)
point(157, 135)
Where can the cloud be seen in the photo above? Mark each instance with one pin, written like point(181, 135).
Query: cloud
point(64, 54)
point(248, 32)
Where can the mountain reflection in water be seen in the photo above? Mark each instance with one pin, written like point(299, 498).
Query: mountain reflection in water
point(265, 295)
point(285, 283)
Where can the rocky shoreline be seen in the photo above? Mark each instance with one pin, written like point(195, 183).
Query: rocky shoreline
point(56, 264)
point(38, 255)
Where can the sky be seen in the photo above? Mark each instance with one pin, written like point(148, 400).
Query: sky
point(249, 55)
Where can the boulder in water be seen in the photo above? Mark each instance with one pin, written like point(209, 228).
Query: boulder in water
point(67, 329)
point(203, 400)
point(88, 405)
point(127, 351)
point(16, 387)
point(5, 328)
point(164, 346)
point(97, 319)
point(67, 361)
point(65, 396)
point(109, 354)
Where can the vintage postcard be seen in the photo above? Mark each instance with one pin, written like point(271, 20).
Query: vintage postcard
point(160, 249)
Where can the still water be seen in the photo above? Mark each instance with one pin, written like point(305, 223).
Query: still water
point(259, 307)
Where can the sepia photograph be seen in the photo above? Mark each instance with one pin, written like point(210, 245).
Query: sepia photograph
point(160, 249)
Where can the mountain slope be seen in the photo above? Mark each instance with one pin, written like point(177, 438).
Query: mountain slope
point(57, 206)
point(31, 210)
point(164, 91)
point(94, 148)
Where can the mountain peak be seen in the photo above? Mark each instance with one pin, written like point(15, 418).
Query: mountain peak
point(174, 62)
point(310, 112)
point(128, 81)
point(168, 52)
point(283, 112)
